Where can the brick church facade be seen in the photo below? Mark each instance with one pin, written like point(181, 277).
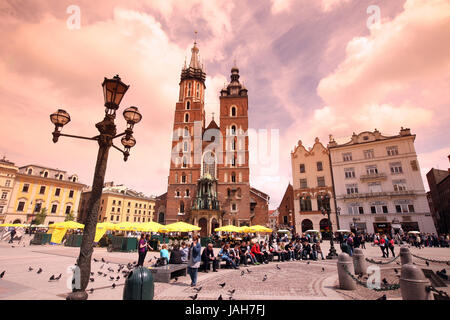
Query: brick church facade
point(208, 183)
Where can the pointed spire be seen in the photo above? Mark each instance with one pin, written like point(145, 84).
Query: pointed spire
point(195, 62)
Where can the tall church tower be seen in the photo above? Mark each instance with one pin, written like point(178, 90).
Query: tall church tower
point(188, 125)
point(234, 171)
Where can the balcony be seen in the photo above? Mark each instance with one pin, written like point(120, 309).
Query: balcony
point(373, 177)
point(377, 194)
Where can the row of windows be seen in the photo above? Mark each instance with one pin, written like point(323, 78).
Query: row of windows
point(38, 207)
point(136, 205)
point(398, 185)
point(376, 209)
point(320, 182)
point(395, 168)
point(127, 219)
point(306, 203)
point(45, 175)
point(370, 153)
point(42, 189)
point(319, 167)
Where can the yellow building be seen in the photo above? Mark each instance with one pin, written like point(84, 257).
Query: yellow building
point(36, 187)
point(8, 173)
point(120, 204)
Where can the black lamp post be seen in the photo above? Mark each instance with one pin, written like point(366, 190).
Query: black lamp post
point(113, 90)
point(326, 209)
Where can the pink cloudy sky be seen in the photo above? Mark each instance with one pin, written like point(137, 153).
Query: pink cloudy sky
point(312, 68)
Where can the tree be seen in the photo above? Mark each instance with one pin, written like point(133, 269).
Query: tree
point(40, 217)
point(70, 216)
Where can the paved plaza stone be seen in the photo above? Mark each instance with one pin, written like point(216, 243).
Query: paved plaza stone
point(297, 280)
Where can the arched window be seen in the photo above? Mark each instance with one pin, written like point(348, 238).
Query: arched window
point(188, 105)
point(233, 161)
point(183, 178)
point(186, 117)
point(30, 171)
point(233, 111)
point(189, 89)
point(233, 144)
point(45, 174)
point(187, 193)
point(74, 179)
point(185, 146)
point(184, 165)
point(233, 130)
point(198, 90)
point(186, 131)
point(181, 207)
point(61, 177)
point(233, 177)
point(177, 193)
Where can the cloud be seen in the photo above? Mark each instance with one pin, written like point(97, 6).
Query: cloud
point(386, 77)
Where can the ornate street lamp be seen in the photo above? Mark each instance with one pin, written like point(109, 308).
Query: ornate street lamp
point(326, 209)
point(113, 90)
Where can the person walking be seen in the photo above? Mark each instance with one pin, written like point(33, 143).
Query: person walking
point(142, 250)
point(391, 246)
point(194, 259)
point(363, 241)
point(382, 243)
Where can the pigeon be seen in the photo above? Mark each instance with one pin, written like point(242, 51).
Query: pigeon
point(91, 279)
point(248, 271)
point(194, 297)
point(39, 271)
point(102, 266)
point(427, 263)
point(230, 298)
point(444, 271)
point(150, 259)
point(99, 273)
point(95, 260)
point(265, 277)
point(92, 290)
point(176, 279)
point(308, 262)
point(104, 275)
point(414, 263)
point(242, 273)
point(442, 275)
point(232, 291)
point(220, 298)
point(384, 281)
point(30, 269)
point(323, 269)
point(198, 289)
point(58, 277)
point(396, 271)
point(222, 284)
point(278, 267)
point(118, 277)
point(110, 270)
point(383, 297)
point(12, 246)
point(111, 278)
point(52, 278)
point(2, 274)
point(103, 260)
point(92, 273)
point(113, 285)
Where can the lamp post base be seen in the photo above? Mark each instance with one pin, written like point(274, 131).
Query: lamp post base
point(332, 254)
point(77, 295)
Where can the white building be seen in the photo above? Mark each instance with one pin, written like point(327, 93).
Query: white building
point(378, 184)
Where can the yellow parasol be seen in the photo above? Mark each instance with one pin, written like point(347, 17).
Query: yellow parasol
point(7, 225)
point(150, 226)
point(180, 226)
point(126, 226)
point(256, 228)
point(228, 228)
point(67, 225)
point(106, 225)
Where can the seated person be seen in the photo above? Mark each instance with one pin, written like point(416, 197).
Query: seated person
point(175, 255)
point(234, 255)
point(306, 251)
point(246, 254)
point(298, 250)
point(223, 253)
point(277, 252)
point(263, 248)
point(284, 252)
point(208, 257)
point(257, 252)
point(289, 251)
point(164, 253)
